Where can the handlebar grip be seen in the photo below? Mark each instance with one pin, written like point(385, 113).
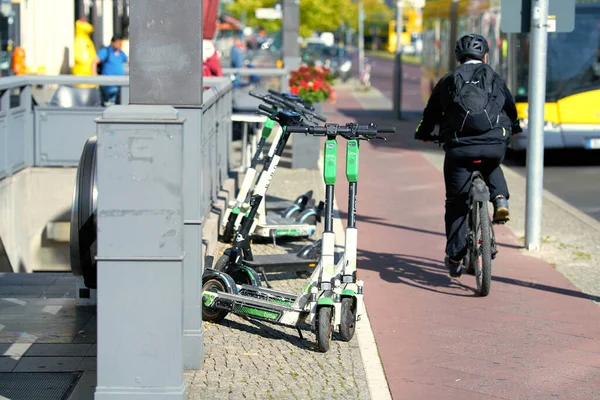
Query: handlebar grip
point(386, 129)
point(275, 92)
point(320, 117)
point(257, 95)
point(298, 129)
point(266, 109)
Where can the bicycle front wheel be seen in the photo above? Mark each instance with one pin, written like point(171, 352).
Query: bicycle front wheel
point(483, 271)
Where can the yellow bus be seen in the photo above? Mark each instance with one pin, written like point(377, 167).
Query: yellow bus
point(572, 110)
point(411, 30)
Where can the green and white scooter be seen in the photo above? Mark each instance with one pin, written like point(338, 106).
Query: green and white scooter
point(300, 217)
point(321, 299)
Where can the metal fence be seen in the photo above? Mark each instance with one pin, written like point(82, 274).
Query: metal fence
point(47, 135)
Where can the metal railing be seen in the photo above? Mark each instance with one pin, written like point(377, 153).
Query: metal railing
point(41, 135)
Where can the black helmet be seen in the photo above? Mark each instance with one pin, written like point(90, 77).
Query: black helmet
point(471, 45)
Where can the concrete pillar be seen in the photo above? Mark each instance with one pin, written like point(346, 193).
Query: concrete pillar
point(166, 68)
point(290, 31)
point(140, 253)
point(305, 149)
point(165, 37)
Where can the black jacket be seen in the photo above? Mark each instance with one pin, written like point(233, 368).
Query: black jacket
point(441, 99)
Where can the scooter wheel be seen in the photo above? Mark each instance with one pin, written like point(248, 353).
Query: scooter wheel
point(209, 313)
point(291, 212)
point(324, 329)
point(347, 319)
point(221, 264)
point(227, 236)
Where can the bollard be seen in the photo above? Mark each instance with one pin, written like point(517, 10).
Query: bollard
point(140, 253)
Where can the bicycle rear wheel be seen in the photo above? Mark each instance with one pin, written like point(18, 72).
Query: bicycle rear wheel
point(483, 242)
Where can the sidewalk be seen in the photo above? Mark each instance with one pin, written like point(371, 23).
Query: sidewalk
point(536, 336)
point(255, 360)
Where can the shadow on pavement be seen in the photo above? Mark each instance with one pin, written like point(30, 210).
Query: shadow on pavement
point(267, 331)
point(379, 221)
point(546, 288)
point(419, 272)
point(430, 274)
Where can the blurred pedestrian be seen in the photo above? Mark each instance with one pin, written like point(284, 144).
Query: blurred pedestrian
point(109, 61)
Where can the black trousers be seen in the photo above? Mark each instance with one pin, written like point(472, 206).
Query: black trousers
point(458, 165)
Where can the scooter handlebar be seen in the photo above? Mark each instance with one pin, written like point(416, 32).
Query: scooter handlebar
point(296, 103)
point(269, 110)
point(349, 131)
point(386, 129)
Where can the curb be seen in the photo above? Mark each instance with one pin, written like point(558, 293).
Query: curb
point(376, 379)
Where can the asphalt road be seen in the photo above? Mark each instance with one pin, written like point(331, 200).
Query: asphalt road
point(574, 176)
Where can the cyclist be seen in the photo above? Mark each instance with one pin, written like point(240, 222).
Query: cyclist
point(476, 112)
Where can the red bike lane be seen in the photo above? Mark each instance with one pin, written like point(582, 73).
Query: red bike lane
point(535, 336)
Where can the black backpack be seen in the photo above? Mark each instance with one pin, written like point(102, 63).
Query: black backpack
point(476, 102)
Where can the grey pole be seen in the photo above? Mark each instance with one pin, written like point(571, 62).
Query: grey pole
point(398, 62)
point(535, 137)
point(96, 23)
point(156, 79)
point(305, 150)
point(361, 38)
point(290, 25)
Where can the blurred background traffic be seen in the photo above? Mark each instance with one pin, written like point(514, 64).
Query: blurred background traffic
point(51, 37)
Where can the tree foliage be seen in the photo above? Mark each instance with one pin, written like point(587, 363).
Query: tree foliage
point(315, 15)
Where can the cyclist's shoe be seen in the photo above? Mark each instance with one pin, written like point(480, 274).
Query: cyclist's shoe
point(454, 267)
point(500, 210)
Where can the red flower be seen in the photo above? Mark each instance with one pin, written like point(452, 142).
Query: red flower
point(294, 90)
point(317, 85)
point(304, 84)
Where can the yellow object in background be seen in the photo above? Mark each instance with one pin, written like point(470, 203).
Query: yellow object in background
point(84, 50)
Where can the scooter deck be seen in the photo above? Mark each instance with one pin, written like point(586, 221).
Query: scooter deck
point(270, 295)
point(281, 262)
point(283, 230)
point(277, 205)
point(256, 308)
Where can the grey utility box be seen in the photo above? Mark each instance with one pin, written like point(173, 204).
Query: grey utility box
point(140, 253)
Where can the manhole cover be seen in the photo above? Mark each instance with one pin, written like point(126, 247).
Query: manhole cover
point(34, 385)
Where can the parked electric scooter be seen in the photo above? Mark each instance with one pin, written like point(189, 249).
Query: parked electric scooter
point(235, 207)
point(295, 221)
point(321, 299)
point(301, 262)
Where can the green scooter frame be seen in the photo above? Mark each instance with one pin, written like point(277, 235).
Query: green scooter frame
point(352, 306)
point(237, 208)
point(319, 302)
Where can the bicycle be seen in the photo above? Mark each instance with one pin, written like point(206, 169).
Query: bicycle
point(481, 245)
point(481, 242)
point(365, 76)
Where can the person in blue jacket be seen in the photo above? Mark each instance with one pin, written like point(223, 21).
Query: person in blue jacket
point(110, 59)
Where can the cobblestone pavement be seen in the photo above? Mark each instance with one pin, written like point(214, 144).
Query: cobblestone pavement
point(247, 359)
